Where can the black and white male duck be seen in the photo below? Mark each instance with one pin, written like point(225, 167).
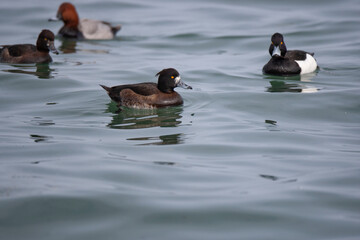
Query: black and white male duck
point(29, 53)
point(286, 63)
point(150, 95)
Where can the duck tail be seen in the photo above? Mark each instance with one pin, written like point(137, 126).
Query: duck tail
point(115, 29)
point(106, 88)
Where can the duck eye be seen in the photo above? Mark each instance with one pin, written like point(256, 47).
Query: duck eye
point(45, 39)
point(172, 77)
point(281, 43)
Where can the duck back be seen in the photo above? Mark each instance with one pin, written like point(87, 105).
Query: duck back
point(144, 89)
point(93, 29)
point(18, 50)
point(297, 55)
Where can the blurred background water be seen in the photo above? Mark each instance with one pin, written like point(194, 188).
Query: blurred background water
point(247, 156)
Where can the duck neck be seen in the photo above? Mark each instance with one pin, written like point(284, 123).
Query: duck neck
point(164, 86)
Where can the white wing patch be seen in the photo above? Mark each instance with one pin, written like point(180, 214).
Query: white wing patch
point(93, 29)
point(308, 65)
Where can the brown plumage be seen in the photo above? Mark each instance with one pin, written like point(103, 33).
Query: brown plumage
point(29, 53)
point(148, 94)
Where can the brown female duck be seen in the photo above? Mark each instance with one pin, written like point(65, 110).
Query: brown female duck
point(29, 53)
point(148, 94)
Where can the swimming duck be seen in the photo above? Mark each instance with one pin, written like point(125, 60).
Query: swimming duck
point(29, 53)
point(284, 62)
point(148, 94)
point(85, 28)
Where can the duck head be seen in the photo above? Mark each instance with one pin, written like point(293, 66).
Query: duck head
point(67, 13)
point(169, 79)
point(277, 46)
point(45, 42)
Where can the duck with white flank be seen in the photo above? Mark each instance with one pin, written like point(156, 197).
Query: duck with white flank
point(286, 63)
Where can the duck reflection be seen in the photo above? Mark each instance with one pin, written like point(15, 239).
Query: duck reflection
point(282, 86)
point(68, 46)
point(279, 84)
point(42, 71)
point(130, 118)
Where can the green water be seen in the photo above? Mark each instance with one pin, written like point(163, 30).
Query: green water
point(247, 156)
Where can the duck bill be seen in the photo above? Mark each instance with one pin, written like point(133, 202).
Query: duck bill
point(180, 83)
point(52, 47)
point(57, 18)
point(54, 19)
point(276, 51)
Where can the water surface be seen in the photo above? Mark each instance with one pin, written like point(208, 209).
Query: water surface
point(248, 156)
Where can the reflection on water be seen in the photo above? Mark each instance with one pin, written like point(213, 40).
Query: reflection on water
point(302, 78)
point(39, 138)
point(38, 121)
point(276, 178)
point(164, 163)
point(308, 77)
point(279, 84)
point(282, 86)
point(269, 177)
point(43, 70)
point(272, 122)
point(130, 118)
point(68, 46)
point(161, 140)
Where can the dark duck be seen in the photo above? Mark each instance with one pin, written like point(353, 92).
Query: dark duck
point(150, 95)
point(29, 53)
point(287, 63)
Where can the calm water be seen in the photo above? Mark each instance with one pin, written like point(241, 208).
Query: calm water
point(247, 156)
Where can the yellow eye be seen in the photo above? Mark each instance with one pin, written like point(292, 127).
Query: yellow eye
point(172, 77)
point(45, 39)
point(281, 43)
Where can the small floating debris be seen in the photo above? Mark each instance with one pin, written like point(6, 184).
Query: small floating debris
point(270, 177)
point(39, 138)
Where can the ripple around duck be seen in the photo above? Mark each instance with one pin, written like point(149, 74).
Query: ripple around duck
point(238, 37)
point(130, 118)
point(187, 36)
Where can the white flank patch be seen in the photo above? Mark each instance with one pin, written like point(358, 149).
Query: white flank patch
point(93, 29)
point(308, 65)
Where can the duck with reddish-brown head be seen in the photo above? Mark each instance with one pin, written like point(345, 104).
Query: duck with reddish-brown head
point(77, 28)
